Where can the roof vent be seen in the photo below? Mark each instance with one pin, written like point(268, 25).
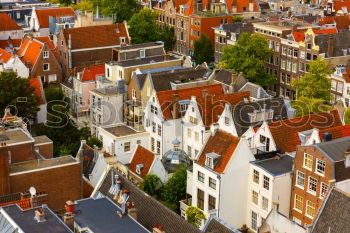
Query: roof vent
point(40, 215)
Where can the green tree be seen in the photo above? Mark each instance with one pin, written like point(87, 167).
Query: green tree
point(168, 37)
point(122, 9)
point(174, 189)
point(347, 116)
point(237, 18)
point(193, 215)
point(82, 6)
point(305, 105)
point(248, 56)
point(53, 93)
point(314, 84)
point(65, 2)
point(17, 92)
point(94, 141)
point(152, 185)
point(203, 50)
point(143, 27)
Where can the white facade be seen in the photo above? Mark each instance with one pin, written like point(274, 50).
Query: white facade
point(226, 122)
point(264, 190)
point(340, 86)
point(122, 147)
point(20, 68)
point(41, 115)
point(13, 34)
point(34, 25)
point(229, 192)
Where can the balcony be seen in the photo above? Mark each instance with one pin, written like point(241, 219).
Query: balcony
point(184, 204)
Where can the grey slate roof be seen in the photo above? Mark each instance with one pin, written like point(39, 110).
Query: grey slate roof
point(255, 90)
point(240, 113)
point(100, 215)
point(238, 27)
point(276, 166)
point(150, 212)
point(340, 41)
point(334, 215)
point(217, 225)
point(226, 77)
point(25, 220)
point(335, 149)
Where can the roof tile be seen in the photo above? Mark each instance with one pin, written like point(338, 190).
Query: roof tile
point(8, 24)
point(44, 14)
point(90, 73)
point(144, 157)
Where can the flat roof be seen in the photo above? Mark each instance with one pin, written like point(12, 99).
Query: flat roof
point(42, 139)
point(145, 61)
point(276, 166)
point(139, 46)
point(16, 135)
point(121, 130)
point(25, 220)
point(40, 164)
point(100, 216)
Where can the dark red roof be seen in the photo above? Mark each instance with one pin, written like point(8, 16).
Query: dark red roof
point(39, 90)
point(44, 14)
point(90, 73)
point(337, 132)
point(8, 24)
point(285, 132)
point(25, 204)
point(144, 157)
point(223, 144)
point(166, 98)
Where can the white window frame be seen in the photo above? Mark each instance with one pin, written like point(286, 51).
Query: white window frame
point(48, 67)
point(46, 54)
point(297, 179)
point(321, 173)
point(309, 190)
point(323, 190)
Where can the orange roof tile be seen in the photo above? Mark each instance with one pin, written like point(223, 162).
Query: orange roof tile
point(23, 203)
point(285, 132)
point(98, 36)
point(8, 24)
point(23, 45)
point(38, 87)
point(240, 4)
point(90, 73)
point(211, 107)
point(300, 35)
point(144, 157)
point(166, 98)
point(4, 55)
point(337, 132)
point(4, 44)
point(44, 14)
point(31, 54)
point(327, 20)
point(223, 144)
point(338, 5)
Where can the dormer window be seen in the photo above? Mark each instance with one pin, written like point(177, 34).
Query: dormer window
point(182, 10)
point(210, 159)
point(138, 168)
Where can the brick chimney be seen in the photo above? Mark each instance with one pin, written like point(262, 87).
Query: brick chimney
point(176, 107)
point(158, 229)
point(25, 195)
point(68, 217)
point(132, 211)
point(330, 49)
point(39, 215)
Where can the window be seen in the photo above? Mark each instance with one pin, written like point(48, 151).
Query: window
point(254, 220)
point(189, 151)
point(256, 176)
point(255, 197)
point(153, 127)
point(211, 202)
point(152, 144)
point(126, 146)
point(189, 132)
point(46, 67)
point(46, 54)
point(193, 120)
point(200, 199)
point(227, 121)
point(308, 159)
point(265, 203)
point(138, 142)
point(298, 202)
point(158, 147)
point(324, 189)
point(200, 176)
point(155, 110)
point(142, 53)
point(321, 165)
point(212, 183)
point(300, 179)
point(262, 139)
point(266, 183)
point(312, 185)
point(159, 130)
point(147, 123)
point(196, 136)
point(209, 162)
point(310, 209)
point(133, 93)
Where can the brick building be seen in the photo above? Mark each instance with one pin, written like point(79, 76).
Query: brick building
point(316, 168)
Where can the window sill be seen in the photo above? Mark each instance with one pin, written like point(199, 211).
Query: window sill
point(307, 168)
point(310, 217)
point(300, 187)
point(311, 192)
point(297, 210)
point(320, 174)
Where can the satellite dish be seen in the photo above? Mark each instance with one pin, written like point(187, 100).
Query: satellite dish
point(32, 191)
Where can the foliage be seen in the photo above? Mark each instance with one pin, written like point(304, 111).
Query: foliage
point(152, 185)
point(249, 55)
point(305, 106)
point(82, 6)
point(203, 50)
point(237, 18)
point(17, 92)
point(167, 35)
point(347, 116)
point(174, 189)
point(94, 141)
point(122, 9)
point(194, 214)
point(53, 93)
point(315, 84)
point(65, 2)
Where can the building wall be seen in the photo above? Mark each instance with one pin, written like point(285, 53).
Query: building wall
point(88, 19)
point(60, 183)
point(14, 34)
point(4, 172)
point(21, 152)
point(230, 128)
point(45, 149)
point(20, 68)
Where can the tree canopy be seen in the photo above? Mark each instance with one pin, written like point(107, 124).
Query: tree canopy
point(203, 50)
point(152, 185)
point(84, 5)
point(248, 56)
point(121, 9)
point(17, 93)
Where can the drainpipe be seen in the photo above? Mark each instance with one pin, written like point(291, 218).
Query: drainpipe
point(219, 178)
point(70, 51)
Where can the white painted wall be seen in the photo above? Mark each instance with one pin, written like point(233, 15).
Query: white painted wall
point(159, 170)
point(230, 128)
point(20, 68)
point(14, 34)
point(42, 114)
point(97, 171)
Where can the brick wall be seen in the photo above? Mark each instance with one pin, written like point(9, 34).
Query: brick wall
point(23, 152)
point(4, 172)
point(45, 150)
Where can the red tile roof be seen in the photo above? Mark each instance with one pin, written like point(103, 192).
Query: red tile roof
point(337, 132)
point(7, 24)
point(223, 144)
point(240, 4)
point(211, 107)
point(327, 20)
point(4, 55)
point(4, 44)
point(342, 22)
point(285, 132)
point(166, 98)
point(44, 14)
point(144, 157)
point(30, 51)
point(300, 35)
point(23, 203)
point(338, 5)
point(96, 36)
point(90, 73)
point(39, 90)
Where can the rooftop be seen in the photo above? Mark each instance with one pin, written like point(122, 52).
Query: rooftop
point(277, 165)
point(100, 216)
point(144, 157)
point(16, 135)
point(42, 139)
point(25, 220)
point(44, 14)
point(140, 46)
point(41, 163)
point(7, 24)
point(144, 61)
point(121, 130)
point(217, 225)
point(335, 149)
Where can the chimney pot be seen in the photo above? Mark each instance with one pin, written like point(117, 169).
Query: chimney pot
point(70, 207)
point(40, 215)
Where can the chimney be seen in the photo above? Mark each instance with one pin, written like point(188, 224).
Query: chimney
point(38, 199)
point(327, 137)
point(330, 48)
point(251, 6)
point(70, 207)
point(204, 93)
point(132, 211)
point(39, 215)
point(294, 28)
point(176, 107)
point(158, 229)
point(68, 219)
point(25, 195)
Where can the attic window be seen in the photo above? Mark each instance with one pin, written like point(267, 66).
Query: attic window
point(46, 54)
point(210, 159)
point(138, 168)
point(182, 10)
point(122, 40)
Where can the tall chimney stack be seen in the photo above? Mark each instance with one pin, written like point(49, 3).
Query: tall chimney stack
point(176, 106)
